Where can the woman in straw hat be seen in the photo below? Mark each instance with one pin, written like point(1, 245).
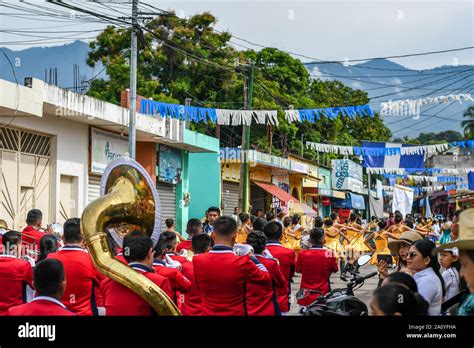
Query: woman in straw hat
point(465, 245)
point(399, 248)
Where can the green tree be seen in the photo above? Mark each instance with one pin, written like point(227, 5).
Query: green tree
point(186, 58)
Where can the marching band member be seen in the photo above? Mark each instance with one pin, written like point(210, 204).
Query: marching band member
point(118, 299)
point(315, 278)
point(380, 240)
point(15, 272)
point(221, 275)
point(177, 280)
point(245, 228)
point(212, 214)
point(50, 283)
point(31, 234)
point(82, 277)
point(355, 233)
point(170, 241)
point(395, 230)
point(191, 301)
point(332, 238)
point(193, 228)
point(287, 260)
point(261, 299)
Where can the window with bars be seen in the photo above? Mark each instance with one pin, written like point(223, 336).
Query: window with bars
point(25, 142)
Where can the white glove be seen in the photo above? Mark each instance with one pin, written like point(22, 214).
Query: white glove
point(172, 263)
point(242, 249)
point(266, 254)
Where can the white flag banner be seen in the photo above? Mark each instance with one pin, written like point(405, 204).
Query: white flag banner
point(402, 199)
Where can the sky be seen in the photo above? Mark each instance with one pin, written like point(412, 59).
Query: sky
point(326, 30)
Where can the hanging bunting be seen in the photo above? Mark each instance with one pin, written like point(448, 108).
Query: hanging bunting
point(329, 148)
point(311, 115)
point(412, 107)
point(464, 144)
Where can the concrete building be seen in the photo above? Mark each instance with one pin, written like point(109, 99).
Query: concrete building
point(55, 145)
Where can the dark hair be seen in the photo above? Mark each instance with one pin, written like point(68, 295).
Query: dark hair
point(72, 231)
point(259, 224)
point(273, 230)
point(395, 298)
point(136, 246)
point(353, 217)
point(318, 222)
point(382, 224)
point(316, 236)
point(269, 216)
point(425, 247)
point(258, 210)
point(193, 226)
point(244, 217)
point(170, 238)
point(169, 223)
point(48, 244)
point(287, 221)
point(258, 240)
point(217, 210)
point(398, 218)
point(10, 239)
point(295, 219)
point(403, 279)
point(252, 218)
point(34, 216)
point(225, 226)
point(374, 218)
point(200, 243)
point(48, 276)
point(409, 223)
point(333, 216)
point(328, 221)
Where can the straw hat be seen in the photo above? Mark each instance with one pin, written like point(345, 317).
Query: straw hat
point(407, 237)
point(466, 233)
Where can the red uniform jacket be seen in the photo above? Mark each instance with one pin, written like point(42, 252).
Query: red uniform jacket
point(41, 306)
point(316, 266)
point(30, 238)
point(177, 280)
point(262, 299)
point(287, 259)
point(191, 301)
point(120, 300)
point(222, 276)
point(81, 279)
point(15, 274)
point(187, 244)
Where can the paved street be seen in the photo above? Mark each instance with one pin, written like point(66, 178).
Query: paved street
point(364, 293)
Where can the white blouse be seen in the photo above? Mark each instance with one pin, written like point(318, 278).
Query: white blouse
point(430, 288)
point(451, 282)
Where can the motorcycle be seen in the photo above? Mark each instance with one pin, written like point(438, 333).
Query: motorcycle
point(339, 302)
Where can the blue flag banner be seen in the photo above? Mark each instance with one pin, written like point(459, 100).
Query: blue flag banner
point(391, 158)
point(470, 180)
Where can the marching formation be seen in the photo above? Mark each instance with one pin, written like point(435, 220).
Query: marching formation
point(242, 265)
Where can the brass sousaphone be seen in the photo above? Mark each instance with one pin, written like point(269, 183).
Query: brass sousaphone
point(128, 201)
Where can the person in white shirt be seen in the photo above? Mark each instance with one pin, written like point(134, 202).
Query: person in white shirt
point(449, 261)
point(425, 267)
point(436, 228)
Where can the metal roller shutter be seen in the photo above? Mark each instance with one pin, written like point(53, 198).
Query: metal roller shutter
point(167, 195)
point(230, 197)
point(93, 188)
point(257, 198)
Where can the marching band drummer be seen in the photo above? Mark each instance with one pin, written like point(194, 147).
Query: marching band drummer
point(380, 240)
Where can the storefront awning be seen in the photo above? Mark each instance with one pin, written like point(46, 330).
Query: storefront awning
point(276, 191)
point(295, 206)
point(357, 201)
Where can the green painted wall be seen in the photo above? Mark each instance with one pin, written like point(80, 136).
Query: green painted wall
point(204, 183)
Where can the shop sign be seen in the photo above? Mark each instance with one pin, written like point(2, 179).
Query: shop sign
point(169, 165)
point(347, 175)
point(106, 147)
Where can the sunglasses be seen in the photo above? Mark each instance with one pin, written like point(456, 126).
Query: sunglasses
point(412, 255)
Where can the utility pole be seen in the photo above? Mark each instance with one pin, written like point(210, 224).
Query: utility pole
point(133, 82)
point(244, 167)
